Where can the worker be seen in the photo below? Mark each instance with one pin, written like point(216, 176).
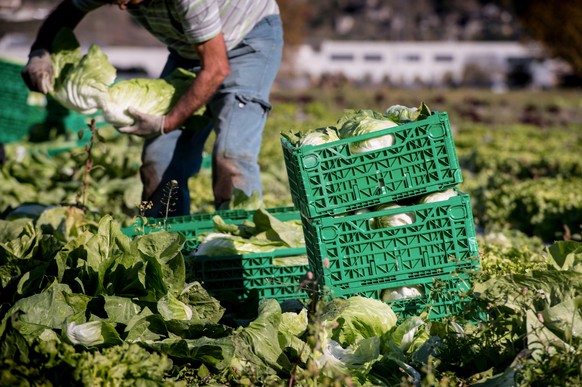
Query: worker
point(235, 49)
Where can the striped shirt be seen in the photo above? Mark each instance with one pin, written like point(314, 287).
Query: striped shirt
point(181, 24)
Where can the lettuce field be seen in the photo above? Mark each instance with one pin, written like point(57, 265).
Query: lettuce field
point(84, 301)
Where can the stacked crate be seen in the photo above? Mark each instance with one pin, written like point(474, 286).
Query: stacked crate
point(276, 274)
point(418, 267)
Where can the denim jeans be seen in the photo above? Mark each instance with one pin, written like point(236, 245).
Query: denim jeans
point(237, 111)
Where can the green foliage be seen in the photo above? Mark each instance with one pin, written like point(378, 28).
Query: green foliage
point(83, 270)
point(550, 208)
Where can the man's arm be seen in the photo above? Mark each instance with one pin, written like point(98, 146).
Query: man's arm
point(64, 15)
point(214, 70)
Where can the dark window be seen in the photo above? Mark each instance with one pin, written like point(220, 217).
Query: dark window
point(412, 58)
point(443, 58)
point(344, 57)
point(373, 57)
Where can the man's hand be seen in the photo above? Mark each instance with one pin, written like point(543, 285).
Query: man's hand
point(38, 72)
point(146, 125)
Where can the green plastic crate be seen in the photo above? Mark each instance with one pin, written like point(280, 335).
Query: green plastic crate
point(349, 257)
point(439, 298)
point(192, 226)
point(328, 179)
point(238, 278)
point(22, 112)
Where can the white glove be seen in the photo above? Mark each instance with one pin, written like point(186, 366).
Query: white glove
point(146, 125)
point(38, 72)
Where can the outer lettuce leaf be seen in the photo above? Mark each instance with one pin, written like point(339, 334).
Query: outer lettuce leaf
point(173, 309)
point(219, 244)
point(151, 96)
point(93, 333)
point(355, 360)
point(294, 323)
point(319, 136)
point(204, 307)
point(257, 346)
point(165, 270)
point(120, 310)
point(566, 255)
point(364, 125)
point(64, 223)
point(403, 114)
point(49, 309)
point(146, 327)
point(359, 318)
point(404, 334)
point(66, 53)
point(82, 85)
point(290, 233)
point(565, 320)
point(17, 239)
point(216, 353)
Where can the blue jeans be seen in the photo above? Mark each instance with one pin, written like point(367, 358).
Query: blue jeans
point(237, 111)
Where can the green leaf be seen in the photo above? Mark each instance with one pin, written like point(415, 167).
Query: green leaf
point(146, 327)
point(17, 239)
point(165, 269)
point(565, 320)
point(290, 233)
point(204, 307)
point(120, 310)
point(258, 343)
point(49, 309)
point(170, 308)
point(359, 318)
point(93, 333)
point(215, 353)
point(566, 255)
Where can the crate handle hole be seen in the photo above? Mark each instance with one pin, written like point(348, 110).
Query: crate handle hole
point(329, 233)
point(310, 161)
point(436, 131)
point(457, 212)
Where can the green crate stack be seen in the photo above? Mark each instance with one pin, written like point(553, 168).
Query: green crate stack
point(277, 274)
point(25, 115)
point(339, 195)
point(329, 179)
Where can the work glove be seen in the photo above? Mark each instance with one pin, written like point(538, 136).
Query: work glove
point(146, 125)
point(38, 72)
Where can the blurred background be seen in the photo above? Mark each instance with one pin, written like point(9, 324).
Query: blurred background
point(495, 44)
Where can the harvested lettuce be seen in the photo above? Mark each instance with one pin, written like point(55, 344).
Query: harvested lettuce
point(319, 136)
point(438, 196)
point(85, 84)
point(403, 114)
point(170, 308)
point(151, 96)
point(358, 122)
point(264, 234)
point(80, 81)
point(401, 292)
point(399, 219)
point(217, 244)
point(359, 318)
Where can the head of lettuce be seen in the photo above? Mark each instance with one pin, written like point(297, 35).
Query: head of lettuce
point(86, 84)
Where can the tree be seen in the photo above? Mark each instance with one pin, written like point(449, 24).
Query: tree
point(556, 24)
